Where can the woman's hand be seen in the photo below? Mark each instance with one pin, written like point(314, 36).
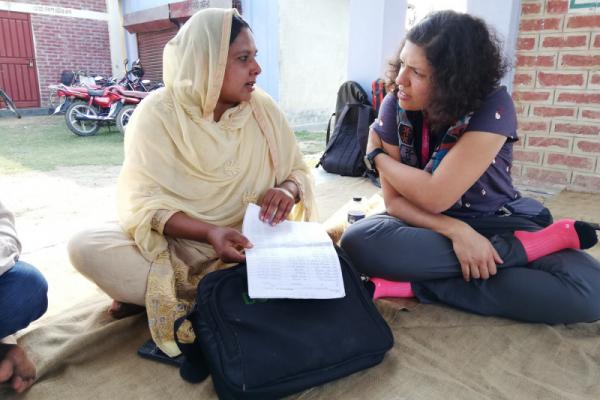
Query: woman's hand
point(278, 202)
point(477, 256)
point(374, 141)
point(229, 244)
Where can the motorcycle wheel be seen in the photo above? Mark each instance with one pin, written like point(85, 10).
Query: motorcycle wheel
point(78, 127)
point(123, 117)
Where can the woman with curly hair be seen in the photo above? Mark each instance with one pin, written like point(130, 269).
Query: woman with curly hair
point(456, 231)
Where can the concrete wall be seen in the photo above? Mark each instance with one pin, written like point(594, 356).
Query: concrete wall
point(376, 30)
point(263, 17)
point(313, 57)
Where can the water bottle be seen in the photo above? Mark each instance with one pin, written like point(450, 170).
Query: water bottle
point(356, 211)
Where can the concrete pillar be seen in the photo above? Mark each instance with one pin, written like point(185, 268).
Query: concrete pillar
point(376, 29)
point(116, 37)
point(263, 18)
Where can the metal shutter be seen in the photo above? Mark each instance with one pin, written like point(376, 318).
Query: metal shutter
point(150, 49)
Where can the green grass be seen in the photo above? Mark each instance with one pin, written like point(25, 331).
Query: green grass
point(45, 143)
point(311, 143)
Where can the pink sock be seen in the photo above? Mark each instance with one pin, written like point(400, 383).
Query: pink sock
point(385, 288)
point(560, 235)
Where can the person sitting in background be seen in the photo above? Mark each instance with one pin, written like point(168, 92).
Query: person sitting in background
point(456, 230)
point(23, 299)
point(197, 152)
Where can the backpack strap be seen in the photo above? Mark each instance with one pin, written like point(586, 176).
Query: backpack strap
point(338, 121)
point(328, 129)
point(362, 131)
point(195, 368)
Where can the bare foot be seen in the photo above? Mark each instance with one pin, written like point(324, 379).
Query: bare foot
point(120, 310)
point(15, 367)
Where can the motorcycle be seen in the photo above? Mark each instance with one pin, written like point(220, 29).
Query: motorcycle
point(73, 83)
point(111, 105)
point(133, 78)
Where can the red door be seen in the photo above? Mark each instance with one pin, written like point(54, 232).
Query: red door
point(18, 73)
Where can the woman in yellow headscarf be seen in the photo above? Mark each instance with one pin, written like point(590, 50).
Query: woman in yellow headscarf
point(196, 153)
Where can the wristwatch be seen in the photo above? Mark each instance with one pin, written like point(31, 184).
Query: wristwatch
point(370, 158)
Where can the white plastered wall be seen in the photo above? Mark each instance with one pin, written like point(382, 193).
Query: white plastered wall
point(313, 58)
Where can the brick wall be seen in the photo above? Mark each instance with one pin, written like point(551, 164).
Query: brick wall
point(556, 90)
point(69, 43)
point(92, 5)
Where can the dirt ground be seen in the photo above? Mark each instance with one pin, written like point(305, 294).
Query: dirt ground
point(50, 207)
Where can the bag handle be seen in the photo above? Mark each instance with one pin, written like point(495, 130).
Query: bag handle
point(195, 368)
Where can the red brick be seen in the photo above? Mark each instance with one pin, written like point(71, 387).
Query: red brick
point(558, 79)
point(515, 170)
point(570, 161)
point(540, 24)
point(546, 142)
point(578, 60)
point(531, 96)
point(590, 114)
point(578, 98)
point(595, 79)
point(521, 109)
point(527, 156)
point(533, 126)
point(547, 175)
point(577, 129)
point(85, 45)
point(596, 41)
point(554, 111)
point(557, 6)
point(583, 21)
point(587, 182)
point(564, 41)
point(535, 61)
point(523, 79)
point(586, 146)
point(525, 43)
point(531, 8)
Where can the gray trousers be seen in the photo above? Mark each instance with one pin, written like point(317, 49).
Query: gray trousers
point(563, 287)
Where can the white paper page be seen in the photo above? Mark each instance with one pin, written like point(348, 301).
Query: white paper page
point(284, 234)
point(290, 260)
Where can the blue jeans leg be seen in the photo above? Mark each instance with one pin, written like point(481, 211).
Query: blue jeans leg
point(23, 297)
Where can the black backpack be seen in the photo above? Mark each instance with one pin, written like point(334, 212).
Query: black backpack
point(345, 149)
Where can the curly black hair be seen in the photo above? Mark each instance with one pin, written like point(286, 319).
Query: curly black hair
point(467, 62)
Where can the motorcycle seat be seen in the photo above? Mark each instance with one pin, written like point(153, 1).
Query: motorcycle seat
point(96, 93)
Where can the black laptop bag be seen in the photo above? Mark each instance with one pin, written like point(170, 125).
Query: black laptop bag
point(271, 348)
